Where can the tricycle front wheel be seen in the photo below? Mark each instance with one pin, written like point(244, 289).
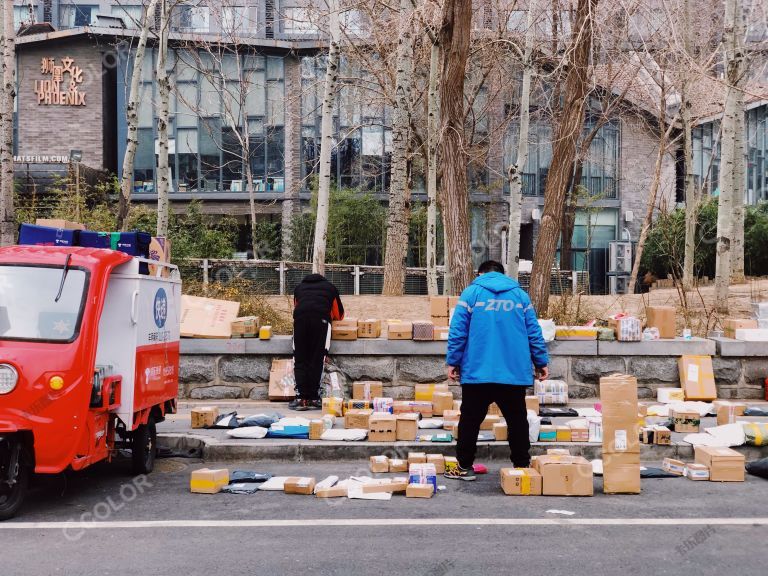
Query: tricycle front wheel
point(13, 486)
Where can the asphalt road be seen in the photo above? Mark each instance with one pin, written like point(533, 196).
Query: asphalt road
point(153, 525)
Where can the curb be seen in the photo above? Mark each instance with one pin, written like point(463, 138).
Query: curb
point(213, 450)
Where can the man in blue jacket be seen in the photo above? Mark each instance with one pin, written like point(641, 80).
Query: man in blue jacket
point(495, 347)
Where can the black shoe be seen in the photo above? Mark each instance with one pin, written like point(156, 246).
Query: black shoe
point(299, 405)
point(316, 404)
point(459, 473)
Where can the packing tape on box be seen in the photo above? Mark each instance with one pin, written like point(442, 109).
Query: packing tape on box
point(756, 433)
point(525, 483)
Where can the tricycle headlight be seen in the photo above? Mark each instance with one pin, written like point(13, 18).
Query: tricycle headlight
point(8, 378)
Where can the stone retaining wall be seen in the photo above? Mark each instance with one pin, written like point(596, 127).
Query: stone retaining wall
point(232, 369)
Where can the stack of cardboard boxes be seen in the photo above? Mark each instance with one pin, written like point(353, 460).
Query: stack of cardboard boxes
point(621, 434)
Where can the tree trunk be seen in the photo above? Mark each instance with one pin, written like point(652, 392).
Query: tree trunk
point(732, 159)
point(433, 125)
point(563, 153)
point(569, 218)
point(455, 32)
point(736, 77)
point(132, 118)
point(691, 196)
point(326, 140)
point(164, 89)
point(515, 172)
point(399, 211)
point(655, 185)
point(7, 217)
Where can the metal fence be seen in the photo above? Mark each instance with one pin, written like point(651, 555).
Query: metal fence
point(273, 277)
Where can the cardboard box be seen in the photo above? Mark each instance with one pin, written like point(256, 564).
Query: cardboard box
point(344, 329)
point(669, 395)
point(532, 403)
point(299, 485)
point(688, 422)
point(547, 433)
point(407, 426)
point(316, 429)
point(367, 390)
point(413, 406)
point(725, 465)
point(282, 384)
point(579, 434)
point(627, 328)
point(439, 307)
point(575, 333)
point(423, 331)
point(369, 329)
point(660, 435)
point(386, 486)
point(246, 327)
point(159, 251)
point(563, 433)
point(696, 472)
point(732, 324)
point(356, 405)
point(379, 464)
point(451, 416)
point(565, 475)
point(451, 463)
point(59, 223)
point(621, 429)
point(728, 411)
point(208, 481)
point(441, 332)
point(333, 406)
point(500, 431)
point(697, 377)
point(357, 419)
point(207, 317)
point(558, 452)
point(663, 318)
point(382, 427)
point(438, 460)
point(673, 466)
point(419, 491)
point(520, 481)
point(204, 417)
point(265, 332)
point(489, 421)
point(382, 404)
point(441, 402)
point(621, 473)
point(398, 465)
point(494, 409)
point(417, 458)
point(400, 331)
point(338, 491)
point(425, 392)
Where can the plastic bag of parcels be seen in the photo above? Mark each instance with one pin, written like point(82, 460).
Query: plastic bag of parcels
point(756, 433)
point(551, 391)
point(548, 329)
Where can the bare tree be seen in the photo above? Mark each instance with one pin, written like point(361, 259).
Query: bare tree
point(7, 101)
point(563, 152)
point(515, 170)
point(164, 93)
point(433, 127)
point(454, 37)
point(132, 118)
point(732, 168)
point(326, 138)
point(399, 210)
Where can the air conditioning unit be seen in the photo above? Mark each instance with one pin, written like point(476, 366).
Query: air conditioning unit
point(618, 285)
point(620, 257)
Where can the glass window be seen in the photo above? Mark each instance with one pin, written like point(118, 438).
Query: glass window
point(298, 22)
point(21, 16)
point(231, 105)
point(353, 22)
point(348, 159)
point(144, 163)
point(194, 18)
point(237, 19)
point(255, 100)
point(186, 152)
point(186, 107)
point(232, 155)
point(32, 309)
point(257, 145)
point(275, 68)
point(210, 160)
point(76, 15)
point(275, 103)
point(210, 94)
point(131, 15)
point(275, 159)
point(145, 106)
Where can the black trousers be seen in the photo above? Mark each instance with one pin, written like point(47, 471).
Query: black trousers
point(310, 337)
point(475, 400)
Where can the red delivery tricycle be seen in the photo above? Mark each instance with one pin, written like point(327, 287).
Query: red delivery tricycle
point(89, 356)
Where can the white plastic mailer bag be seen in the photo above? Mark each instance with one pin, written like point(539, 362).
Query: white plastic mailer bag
point(548, 329)
point(429, 423)
point(274, 484)
point(250, 432)
point(534, 426)
point(348, 435)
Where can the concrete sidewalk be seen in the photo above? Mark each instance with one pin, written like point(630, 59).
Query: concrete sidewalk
point(177, 435)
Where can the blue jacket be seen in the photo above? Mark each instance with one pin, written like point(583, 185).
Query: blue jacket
point(495, 336)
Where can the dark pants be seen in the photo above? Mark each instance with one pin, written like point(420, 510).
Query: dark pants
point(309, 350)
point(475, 400)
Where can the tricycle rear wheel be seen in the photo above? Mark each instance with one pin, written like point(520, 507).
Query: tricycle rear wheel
point(144, 447)
point(12, 495)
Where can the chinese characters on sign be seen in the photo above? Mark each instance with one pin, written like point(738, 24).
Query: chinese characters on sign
point(63, 88)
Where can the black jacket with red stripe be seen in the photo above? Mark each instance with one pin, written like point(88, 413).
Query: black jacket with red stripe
point(316, 297)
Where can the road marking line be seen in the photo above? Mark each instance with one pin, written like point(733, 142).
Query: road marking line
point(383, 522)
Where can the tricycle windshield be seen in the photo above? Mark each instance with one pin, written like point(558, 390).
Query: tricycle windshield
point(29, 309)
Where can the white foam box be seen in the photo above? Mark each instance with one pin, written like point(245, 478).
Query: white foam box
point(752, 334)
